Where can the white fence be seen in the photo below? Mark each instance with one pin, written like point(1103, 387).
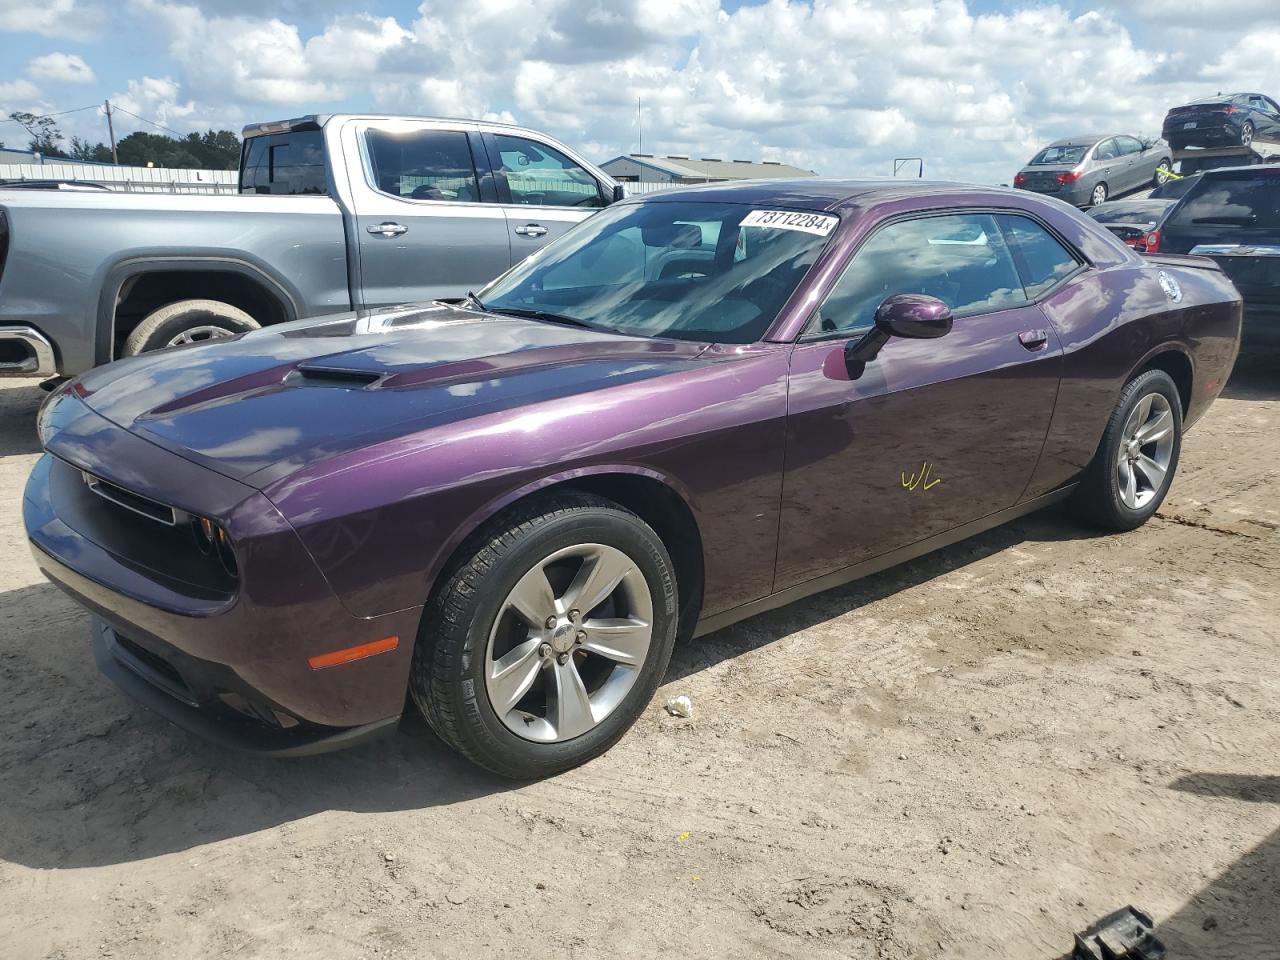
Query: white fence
point(127, 179)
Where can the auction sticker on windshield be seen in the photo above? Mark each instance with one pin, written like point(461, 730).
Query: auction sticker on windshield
point(815, 223)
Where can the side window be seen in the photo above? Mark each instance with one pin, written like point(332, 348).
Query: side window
point(1128, 145)
point(961, 259)
point(285, 164)
point(1106, 150)
point(422, 165)
point(1270, 105)
point(543, 176)
point(1041, 258)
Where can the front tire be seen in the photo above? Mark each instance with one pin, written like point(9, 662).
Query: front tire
point(1163, 169)
point(187, 321)
point(549, 638)
point(1131, 473)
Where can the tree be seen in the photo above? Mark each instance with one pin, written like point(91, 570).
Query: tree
point(84, 150)
point(214, 150)
point(45, 135)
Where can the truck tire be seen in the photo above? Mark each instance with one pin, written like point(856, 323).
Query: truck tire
point(187, 321)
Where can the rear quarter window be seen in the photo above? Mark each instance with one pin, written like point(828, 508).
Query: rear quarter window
point(285, 164)
point(1248, 200)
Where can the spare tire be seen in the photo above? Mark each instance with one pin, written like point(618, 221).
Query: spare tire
point(187, 321)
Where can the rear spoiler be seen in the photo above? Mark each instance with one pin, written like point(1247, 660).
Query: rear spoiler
point(1182, 260)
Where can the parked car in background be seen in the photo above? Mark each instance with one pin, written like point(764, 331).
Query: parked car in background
point(1233, 216)
point(1231, 120)
point(334, 213)
point(1132, 220)
point(1086, 170)
point(696, 407)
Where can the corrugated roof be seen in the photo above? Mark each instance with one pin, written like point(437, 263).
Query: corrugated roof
point(715, 169)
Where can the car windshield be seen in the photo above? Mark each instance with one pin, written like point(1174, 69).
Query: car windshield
point(717, 272)
point(1069, 153)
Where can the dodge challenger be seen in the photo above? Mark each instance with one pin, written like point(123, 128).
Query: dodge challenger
point(691, 408)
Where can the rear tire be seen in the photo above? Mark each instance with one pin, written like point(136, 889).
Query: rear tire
point(1133, 468)
point(1098, 195)
point(525, 691)
point(1246, 134)
point(187, 321)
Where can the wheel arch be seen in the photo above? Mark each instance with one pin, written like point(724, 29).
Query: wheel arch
point(136, 286)
point(1174, 360)
point(658, 499)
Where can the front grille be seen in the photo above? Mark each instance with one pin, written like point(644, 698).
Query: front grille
point(151, 538)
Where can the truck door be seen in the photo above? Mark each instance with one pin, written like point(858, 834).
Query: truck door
point(424, 228)
point(543, 190)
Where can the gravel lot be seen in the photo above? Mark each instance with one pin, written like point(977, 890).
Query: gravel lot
point(972, 755)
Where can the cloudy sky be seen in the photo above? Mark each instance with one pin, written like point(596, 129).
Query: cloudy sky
point(838, 86)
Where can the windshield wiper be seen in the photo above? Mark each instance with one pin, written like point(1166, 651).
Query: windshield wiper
point(548, 316)
point(472, 299)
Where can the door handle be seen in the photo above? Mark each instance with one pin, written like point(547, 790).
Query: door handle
point(387, 229)
point(1034, 340)
point(531, 230)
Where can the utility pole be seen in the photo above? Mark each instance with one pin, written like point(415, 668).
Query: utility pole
point(111, 132)
point(640, 126)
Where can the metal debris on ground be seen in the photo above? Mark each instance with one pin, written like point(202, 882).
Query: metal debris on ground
point(1126, 934)
point(680, 706)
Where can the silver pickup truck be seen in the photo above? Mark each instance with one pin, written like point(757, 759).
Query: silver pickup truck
point(334, 213)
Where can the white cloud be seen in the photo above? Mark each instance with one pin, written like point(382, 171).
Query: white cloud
point(840, 86)
point(60, 68)
point(51, 18)
point(17, 90)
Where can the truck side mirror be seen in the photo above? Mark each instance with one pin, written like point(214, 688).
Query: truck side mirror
point(619, 193)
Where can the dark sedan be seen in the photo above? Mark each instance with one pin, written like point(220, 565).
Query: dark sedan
point(692, 408)
point(1233, 119)
point(1132, 220)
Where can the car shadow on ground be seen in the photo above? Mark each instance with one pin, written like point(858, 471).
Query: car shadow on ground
point(1256, 375)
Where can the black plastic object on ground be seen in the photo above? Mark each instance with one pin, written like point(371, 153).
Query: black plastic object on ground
point(1123, 935)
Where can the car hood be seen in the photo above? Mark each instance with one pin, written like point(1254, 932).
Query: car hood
point(265, 404)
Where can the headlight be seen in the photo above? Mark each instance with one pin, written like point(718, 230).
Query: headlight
point(46, 417)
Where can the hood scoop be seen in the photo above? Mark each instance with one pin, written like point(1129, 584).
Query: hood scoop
point(309, 375)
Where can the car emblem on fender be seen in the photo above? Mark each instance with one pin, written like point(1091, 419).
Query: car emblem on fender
point(1171, 288)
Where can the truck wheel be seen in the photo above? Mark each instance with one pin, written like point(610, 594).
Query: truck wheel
point(187, 321)
point(549, 638)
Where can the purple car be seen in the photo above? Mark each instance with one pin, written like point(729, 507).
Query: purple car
point(690, 409)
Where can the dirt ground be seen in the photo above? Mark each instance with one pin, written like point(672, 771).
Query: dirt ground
point(969, 756)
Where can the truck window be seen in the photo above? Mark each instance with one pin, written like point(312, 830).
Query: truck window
point(423, 165)
point(541, 175)
point(285, 164)
point(1244, 199)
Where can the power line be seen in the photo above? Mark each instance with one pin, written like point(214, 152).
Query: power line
point(61, 113)
point(119, 109)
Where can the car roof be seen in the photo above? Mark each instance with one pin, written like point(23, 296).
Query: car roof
point(1083, 140)
point(822, 194)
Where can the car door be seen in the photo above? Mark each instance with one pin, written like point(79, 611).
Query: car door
point(1105, 168)
point(1136, 168)
point(543, 190)
point(1266, 117)
point(423, 227)
point(934, 433)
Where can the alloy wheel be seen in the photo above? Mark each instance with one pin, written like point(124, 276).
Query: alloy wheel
point(1246, 135)
point(568, 643)
point(199, 335)
point(1146, 450)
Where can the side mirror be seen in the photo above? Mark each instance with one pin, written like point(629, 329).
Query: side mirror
point(619, 193)
point(912, 316)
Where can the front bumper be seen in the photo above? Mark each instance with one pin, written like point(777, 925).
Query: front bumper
point(150, 685)
point(26, 352)
point(242, 650)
